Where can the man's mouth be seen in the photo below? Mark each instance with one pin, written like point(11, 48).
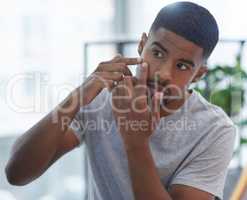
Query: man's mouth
point(153, 87)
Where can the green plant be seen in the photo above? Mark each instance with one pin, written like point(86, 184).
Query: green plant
point(224, 86)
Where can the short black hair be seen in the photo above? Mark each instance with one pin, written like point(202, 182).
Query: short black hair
point(190, 21)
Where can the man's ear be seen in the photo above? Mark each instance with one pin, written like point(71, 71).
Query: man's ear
point(142, 43)
point(200, 73)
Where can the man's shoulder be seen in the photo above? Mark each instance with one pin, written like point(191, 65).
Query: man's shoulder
point(210, 113)
point(99, 107)
point(211, 121)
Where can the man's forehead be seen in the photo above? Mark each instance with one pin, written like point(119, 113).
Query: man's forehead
point(171, 40)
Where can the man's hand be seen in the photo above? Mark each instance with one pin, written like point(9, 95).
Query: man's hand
point(106, 75)
point(136, 119)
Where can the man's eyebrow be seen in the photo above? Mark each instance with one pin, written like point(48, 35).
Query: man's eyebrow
point(187, 61)
point(160, 46)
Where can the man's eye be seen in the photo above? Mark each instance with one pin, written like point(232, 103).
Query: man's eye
point(158, 54)
point(182, 66)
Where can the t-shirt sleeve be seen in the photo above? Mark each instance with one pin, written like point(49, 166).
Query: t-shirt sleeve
point(208, 170)
point(88, 114)
point(78, 126)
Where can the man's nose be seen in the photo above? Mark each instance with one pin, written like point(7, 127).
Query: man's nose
point(165, 73)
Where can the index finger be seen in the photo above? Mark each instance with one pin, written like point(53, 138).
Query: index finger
point(130, 61)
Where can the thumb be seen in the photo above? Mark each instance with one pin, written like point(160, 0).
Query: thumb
point(156, 106)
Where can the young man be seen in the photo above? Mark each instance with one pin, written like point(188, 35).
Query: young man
point(149, 136)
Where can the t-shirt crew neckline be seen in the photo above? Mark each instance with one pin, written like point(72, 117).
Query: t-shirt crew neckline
point(176, 115)
point(188, 102)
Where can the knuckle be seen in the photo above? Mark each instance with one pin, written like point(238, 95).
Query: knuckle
point(99, 68)
point(123, 64)
point(96, 74)
point(119, 73)
point(120, 66)
point(128, 60)
point(102, 63)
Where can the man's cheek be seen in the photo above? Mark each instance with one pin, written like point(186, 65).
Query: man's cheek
point(180, 83)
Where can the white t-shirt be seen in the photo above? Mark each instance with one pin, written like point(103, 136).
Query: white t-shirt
point(192, 146)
